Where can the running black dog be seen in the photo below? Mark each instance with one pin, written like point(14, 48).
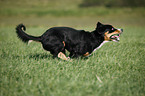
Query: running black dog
point(77, 42)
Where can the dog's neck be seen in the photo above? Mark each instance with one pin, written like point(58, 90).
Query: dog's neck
point(98, 39)
point(97, 36)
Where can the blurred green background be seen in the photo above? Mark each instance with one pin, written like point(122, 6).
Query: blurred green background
point(74, 13)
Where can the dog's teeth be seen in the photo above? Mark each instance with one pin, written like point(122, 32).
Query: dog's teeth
point(118, 39)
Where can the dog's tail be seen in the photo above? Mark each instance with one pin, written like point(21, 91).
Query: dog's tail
point(25, 37)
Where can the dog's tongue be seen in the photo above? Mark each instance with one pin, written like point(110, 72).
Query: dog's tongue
point(116, 36)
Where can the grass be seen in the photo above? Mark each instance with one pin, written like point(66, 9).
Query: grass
point(116, 69)
point(28, 70)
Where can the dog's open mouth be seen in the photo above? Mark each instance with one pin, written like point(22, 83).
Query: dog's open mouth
point(115, 37)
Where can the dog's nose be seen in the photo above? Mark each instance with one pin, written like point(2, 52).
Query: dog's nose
point(122, 30)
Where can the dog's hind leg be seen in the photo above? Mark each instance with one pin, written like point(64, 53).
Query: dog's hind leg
point(62, 56)
point(59, 54)
point(74, 55)
point(57, 50)
point(63, 51)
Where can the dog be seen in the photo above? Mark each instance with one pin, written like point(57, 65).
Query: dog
point(78, 42)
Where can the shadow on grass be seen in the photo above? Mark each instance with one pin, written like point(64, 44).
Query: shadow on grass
point(40, 56)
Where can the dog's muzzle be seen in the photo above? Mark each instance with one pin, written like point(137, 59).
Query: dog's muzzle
point(115, 37)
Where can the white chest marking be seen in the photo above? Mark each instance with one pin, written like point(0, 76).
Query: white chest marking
point(100, 45)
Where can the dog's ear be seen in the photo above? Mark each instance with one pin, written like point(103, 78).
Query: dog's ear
point(100, 28)
point(99, 24)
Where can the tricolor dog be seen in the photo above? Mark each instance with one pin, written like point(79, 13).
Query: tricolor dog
point(77, 42)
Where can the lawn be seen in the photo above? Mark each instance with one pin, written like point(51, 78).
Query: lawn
point(116, 69)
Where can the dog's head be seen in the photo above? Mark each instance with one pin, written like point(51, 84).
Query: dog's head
point(109, 32)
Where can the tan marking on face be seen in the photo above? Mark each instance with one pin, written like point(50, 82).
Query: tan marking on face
point(62, 56)
point(87, 54)
point(107, 35)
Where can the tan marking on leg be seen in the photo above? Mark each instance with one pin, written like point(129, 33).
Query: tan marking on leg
point(63, 43)
point(32, 41)
point(62, 56)
point(22, 28)
point(29, 41)
point(87, 54)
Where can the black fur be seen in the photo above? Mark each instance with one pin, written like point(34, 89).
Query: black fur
point(23, 36)
point(57, 39)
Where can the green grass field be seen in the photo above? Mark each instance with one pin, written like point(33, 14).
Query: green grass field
point(116, 69)
point(28, 70)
